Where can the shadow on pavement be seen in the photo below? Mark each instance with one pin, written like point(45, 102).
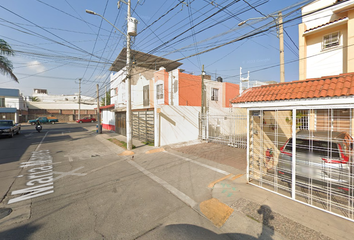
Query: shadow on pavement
point(22, 232)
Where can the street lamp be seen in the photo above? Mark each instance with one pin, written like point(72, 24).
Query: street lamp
point(94, 13)
point(279, 20)
point(128, 82)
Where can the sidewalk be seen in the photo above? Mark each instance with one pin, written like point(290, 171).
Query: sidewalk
point(255, 212)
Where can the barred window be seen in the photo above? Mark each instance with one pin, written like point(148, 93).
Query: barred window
point(214, 94)
point(146, 95)
point(330, 40)
point(2, 102)
point(159, 91)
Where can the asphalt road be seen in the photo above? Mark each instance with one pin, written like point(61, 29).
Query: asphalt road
point(68, 183)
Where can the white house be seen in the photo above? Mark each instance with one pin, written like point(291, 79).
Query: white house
point(326, 38)
point(12, 105)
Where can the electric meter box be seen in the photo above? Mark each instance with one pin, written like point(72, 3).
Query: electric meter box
point(132, 26)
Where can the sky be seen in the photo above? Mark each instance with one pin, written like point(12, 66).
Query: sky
point(56, 42)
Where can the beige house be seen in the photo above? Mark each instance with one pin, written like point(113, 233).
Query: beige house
point(326, 38)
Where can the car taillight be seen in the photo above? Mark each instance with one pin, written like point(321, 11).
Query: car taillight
point(282, 149)
point(344, 159)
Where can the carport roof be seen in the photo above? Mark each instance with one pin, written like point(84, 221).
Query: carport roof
point(144, 60)
point(324, 87)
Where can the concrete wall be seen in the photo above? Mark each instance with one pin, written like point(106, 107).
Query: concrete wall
point(176, 124)
point(108, 119)
point(326, 62)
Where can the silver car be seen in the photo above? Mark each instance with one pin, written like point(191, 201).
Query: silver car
point(322, 157)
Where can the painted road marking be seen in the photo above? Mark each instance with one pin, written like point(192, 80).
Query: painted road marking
point(201, 164)
point(96, 169)
point(211, 185)
point(155, 150)
point(126, 153)
point(183, 197)
point(71, 173)
point(237, 176)
point(216, 211)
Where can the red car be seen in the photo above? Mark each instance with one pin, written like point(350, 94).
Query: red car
point(86, 120)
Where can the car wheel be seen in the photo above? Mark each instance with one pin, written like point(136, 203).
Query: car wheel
point(32, 123)
point(91, 120)
point(11, 134)
point(53, 122)
point(18, 132)
point(80, 122)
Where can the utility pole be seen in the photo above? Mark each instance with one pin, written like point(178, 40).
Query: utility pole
point(129, 97)
point(202, 109)
point(79, 98)
point(98, 111)
point(105, 97)
point(281, 47)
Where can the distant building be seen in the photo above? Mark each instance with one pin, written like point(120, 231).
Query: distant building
point(13, 106)
point(63, 107)
point(326, 38)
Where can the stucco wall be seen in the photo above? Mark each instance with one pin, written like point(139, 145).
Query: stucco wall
point(177, 124)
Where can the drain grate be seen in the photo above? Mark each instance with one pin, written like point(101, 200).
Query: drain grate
point(5, 212)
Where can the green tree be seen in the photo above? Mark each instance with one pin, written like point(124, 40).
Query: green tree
point(5, 64)
point(103, 100)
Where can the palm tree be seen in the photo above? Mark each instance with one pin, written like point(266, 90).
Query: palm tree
point(5, 63)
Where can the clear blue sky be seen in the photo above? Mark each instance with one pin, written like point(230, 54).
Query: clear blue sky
point(57, 43)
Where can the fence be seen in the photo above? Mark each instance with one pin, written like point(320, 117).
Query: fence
point(143, 125)
point(304, 154)
point(229, 129)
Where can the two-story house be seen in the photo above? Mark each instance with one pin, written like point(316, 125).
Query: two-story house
point(326, 38)
point(12, 105)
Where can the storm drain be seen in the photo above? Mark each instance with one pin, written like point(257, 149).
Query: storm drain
point(5, 212)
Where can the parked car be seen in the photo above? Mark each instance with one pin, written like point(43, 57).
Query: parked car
point(9, 128)
point(86, 120)
point(322, 157)
point(43, 120)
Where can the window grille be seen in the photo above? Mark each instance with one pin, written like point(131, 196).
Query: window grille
point(214, 94)
point(330, 40)
point(2, 102)
point(146, 95)
point(159, 90)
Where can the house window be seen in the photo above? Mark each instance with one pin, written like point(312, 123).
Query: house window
point(2, 102)
point(159, 91)
point(146, 95)
point(214, 94)
point(330, 40)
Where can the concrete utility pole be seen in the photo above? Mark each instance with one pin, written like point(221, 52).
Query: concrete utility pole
point(79, 98)
point(98, 111)
point(105, 97)
point(202, 105)
point(281, 47)
point(129, 97)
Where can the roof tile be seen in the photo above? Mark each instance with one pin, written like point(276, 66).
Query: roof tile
point(330, 86)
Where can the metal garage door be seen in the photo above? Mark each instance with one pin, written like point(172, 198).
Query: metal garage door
point(143, 125)
point(304, 154)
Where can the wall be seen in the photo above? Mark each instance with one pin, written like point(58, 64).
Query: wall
point(108, 119)
point(176, 124)
point(325, 62)
point(190, 89)
point(230, 91)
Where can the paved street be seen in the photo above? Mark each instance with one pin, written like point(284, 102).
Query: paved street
point(68, 182)
point(88, 191)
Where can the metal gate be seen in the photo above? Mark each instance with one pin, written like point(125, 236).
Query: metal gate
point(229, 129)
point(304, 154)
point(143, 125)
point(121, 123)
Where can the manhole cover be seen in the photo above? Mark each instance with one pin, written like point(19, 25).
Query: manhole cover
point(5, 212)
